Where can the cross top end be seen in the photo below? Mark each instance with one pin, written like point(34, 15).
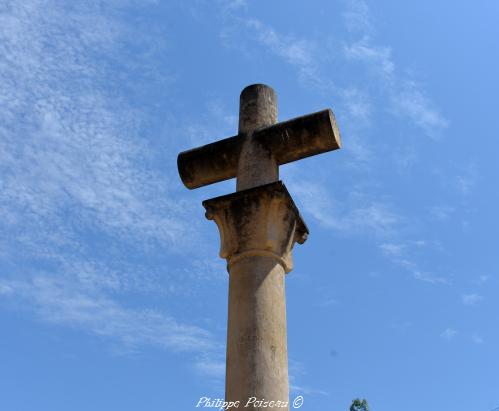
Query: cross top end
point(262, 144)
point(257, 108)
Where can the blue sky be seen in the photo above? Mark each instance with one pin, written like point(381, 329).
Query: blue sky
point(112, 295)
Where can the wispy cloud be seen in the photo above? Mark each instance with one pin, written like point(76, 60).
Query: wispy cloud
point(328, 302)
point(477, 339)
point(357, 17)
point(471, 299)
point(231, 5)
point(377, 58)
point(429, 277)
point(299, 53)
point(215, 122)
point(297, 372)
point(392, 250)
point(403, 255)
point(369, 216)
point(58, 301)
point(482, 279)
point(80, 189)
point(407, 98)
point(441, 212)
point(357, 104)
point(411, 101)
point(70, 146)
point(211, 368)
point(448, 334)
point(466, 180)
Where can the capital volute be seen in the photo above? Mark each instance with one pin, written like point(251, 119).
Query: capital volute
point(258, 221)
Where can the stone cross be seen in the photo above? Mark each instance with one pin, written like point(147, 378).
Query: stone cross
point(258, 225)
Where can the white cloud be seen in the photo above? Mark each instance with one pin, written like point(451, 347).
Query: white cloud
point(366, 216)
point(303, 54)
point(448, 334)
point(301, 389)
point(471, 299)
point(79, 188)
point(483, 279)
point(296, 372)
point(357, 104)
point(410, 100)
point(477, 339)
point(211, 368)
point(429, 277)
point(441, 212)
point(392, 250)
point(69, 147)
point(231, 5)
point(376, 57)
point(402, 254)
point(357, 17)
point(328, 302)
point(406, 97)
point(466, 180)
point(60, 302)
point(298, 52)
point(5, 289)
point(356, 216)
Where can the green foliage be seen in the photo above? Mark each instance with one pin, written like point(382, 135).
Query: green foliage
point(359, 405)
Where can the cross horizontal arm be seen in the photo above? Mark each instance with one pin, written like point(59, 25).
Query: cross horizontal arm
point(301, 137)
point(288, 141)
point(209, 164)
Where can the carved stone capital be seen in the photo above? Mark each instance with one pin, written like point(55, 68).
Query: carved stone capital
point(261, 221)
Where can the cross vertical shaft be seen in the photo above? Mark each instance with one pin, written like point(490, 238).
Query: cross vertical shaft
point(257, 358)
point(257, 165)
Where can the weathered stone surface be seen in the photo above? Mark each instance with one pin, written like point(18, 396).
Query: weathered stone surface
point(257, 108)
point(258, 228)
point(283, 142)
point(258, 225)
point(259, 221)
point(257, 164)
point(257, 353)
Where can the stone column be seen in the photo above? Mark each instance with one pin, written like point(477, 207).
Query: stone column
point(258, 228)
point(259, 225)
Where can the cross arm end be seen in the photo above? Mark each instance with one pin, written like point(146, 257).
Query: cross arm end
point(210, 163)
point(302, 137)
